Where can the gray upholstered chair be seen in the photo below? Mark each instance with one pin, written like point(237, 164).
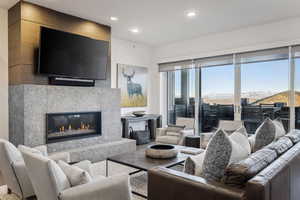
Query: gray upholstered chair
point(168, 136)
point(14, 171)
point(50, 182)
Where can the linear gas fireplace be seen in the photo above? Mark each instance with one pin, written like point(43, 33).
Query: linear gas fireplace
point(69, 126)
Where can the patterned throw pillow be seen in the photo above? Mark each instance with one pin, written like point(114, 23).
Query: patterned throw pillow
point(193, 164)
point(264, 135)
point(221, 151)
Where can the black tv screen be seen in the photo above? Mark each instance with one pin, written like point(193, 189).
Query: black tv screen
point(68, 55)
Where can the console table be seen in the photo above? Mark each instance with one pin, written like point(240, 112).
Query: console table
point(153, 121)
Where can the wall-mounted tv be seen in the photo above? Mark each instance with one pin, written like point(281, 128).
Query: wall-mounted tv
point(63, 54)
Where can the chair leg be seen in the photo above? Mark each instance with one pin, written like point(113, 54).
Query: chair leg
point(9, 191)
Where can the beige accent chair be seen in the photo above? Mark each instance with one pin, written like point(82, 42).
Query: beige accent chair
point(166, 136)
point(14, 171)
point(50, 182)
point(228, 126)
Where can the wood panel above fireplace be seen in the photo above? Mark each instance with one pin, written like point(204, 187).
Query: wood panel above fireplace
point(25, 20)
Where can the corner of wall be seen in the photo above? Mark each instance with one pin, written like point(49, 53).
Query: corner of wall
point(4, 73)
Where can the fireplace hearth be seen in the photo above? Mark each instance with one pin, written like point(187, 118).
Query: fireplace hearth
point(69, 126)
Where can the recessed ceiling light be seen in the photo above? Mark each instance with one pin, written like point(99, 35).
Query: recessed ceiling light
point(191, 14)
point(114, 18)
point(134, 30)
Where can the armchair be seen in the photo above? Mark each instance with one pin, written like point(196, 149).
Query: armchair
point(177, 137)
point(14, 171)
point(50, 182)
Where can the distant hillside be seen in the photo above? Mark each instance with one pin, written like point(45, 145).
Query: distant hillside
point(280, 97)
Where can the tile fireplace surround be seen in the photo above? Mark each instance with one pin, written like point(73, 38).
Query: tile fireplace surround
point(29, 104)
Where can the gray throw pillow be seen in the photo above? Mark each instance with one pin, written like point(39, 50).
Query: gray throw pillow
point(265, 134)
point(217, 156)
point(75, 175)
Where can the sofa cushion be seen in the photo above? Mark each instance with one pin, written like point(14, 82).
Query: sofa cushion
point(281, 145)
point(168, 139)
point(75, 175)
point(221, 151)
point(237, 174)
point(264, 135)
point(294, 135)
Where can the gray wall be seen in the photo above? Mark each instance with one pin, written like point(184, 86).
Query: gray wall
point(30, 103)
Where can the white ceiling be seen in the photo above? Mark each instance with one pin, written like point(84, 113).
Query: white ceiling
point(164, 21)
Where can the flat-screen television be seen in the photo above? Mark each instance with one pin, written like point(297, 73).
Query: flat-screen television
point(63, 54)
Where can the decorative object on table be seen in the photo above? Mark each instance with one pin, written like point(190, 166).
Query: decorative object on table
point(161, 151)
point(132, 80)
point(192, 141)
point(139, 113)
point(141, 136)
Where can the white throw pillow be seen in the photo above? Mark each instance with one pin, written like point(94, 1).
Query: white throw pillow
point(240, 136)
point(58, 177)
point(279, 128)
point(75, 175)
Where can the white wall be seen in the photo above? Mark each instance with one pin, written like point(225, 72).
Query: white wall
point(277, 34)
point(126, 52)
point(3, 74)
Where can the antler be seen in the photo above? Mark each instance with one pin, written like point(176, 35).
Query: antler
point(126, 75)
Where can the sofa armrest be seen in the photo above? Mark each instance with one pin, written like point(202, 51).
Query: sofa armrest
point(187, 187)
point(112, 188)
point(160, 132)
point(64, 156)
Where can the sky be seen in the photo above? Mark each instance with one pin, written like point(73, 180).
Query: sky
point(272, 76)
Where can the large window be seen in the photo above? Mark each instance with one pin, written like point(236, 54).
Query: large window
point(217, 96)
point(297, 93)
point(265, 92)
point(181, 94)
point(248, 86)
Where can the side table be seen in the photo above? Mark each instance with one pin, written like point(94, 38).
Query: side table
point(192, 141)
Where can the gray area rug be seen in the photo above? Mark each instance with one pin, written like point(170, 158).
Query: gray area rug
point(138, 181)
